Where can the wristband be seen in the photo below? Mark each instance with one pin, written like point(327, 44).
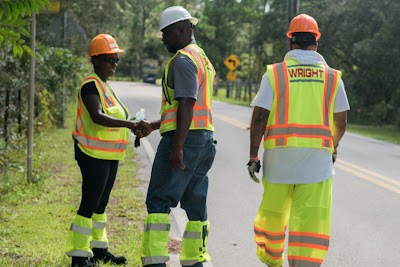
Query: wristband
point(254, 158)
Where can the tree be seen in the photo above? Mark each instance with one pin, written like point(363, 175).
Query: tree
point(13, 22)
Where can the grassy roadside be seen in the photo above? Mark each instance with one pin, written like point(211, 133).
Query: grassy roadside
point(35, 219)
point(387, 133)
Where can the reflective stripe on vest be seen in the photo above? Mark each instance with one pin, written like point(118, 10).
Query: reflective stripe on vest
point(282, 129)
point(104, 143)
point(202, 118)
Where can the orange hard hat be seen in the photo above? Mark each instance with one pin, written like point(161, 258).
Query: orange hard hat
point(303, 23)
point(103, 44)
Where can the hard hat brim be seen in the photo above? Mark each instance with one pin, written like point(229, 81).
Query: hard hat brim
point(115, 51)
point(193, 20)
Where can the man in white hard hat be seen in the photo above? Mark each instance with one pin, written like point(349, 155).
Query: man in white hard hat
point(187, 149)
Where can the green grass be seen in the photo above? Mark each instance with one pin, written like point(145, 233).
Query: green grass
point(35, 219)
point(221, 96)
point(386, 133)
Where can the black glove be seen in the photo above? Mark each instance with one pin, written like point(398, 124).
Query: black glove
point(253, 167)
point(137, 141)
point(334, 156)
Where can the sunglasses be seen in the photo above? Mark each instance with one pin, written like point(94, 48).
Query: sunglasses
point(110, 60)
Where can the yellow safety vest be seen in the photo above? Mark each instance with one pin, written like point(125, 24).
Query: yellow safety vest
point(96, 140)
point(202, 118)
point(302, 108)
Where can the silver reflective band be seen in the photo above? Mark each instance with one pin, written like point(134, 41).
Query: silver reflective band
point(99, 225)
point(100, 144)
point(299, 131)
point(80, 253)
point(192, 235)
point(189, 262)
point(156, 227)
point(81, 230)
point(154, 260)
point(98, 244)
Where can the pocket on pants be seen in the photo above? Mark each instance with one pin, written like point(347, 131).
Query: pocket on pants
point(191, 156)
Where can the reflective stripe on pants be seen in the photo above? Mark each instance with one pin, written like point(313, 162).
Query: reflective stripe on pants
point(306, 208)
point(99, 232)
point(194, 243)
point(155, 239)
point(78, 242)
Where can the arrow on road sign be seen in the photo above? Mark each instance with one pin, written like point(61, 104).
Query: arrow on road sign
point(232, 62)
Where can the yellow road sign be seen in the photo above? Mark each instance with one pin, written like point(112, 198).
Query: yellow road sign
point(232, 62)
point(53, 7)
point(231, 75)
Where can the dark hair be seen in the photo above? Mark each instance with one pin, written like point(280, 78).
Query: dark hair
point(303, 39)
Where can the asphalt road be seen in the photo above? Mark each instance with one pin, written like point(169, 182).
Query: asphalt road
point(365, 218)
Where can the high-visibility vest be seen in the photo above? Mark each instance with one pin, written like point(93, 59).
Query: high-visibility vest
point(301, 114)
point(96, 140)
point(202, 118)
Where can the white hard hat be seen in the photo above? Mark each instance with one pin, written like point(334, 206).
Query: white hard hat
point(172, 15)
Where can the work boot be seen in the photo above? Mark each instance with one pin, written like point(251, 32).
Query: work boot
point(102, 254)
point(81, 262)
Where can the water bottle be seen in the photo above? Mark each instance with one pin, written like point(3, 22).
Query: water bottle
point(139, 116)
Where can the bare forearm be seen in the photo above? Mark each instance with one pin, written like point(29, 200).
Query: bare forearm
point(258, 123)
point(109, 121)
point(155, 125)
point(340, 123)
point(184, 118)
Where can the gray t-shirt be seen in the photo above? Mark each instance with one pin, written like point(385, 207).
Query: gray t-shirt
point(182, 77)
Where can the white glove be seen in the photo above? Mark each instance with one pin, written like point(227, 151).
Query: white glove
point(254, 167)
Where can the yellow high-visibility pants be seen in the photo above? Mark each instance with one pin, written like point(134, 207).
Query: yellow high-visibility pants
point(306, 210)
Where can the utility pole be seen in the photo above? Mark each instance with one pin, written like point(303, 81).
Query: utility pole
point(31, 102)
point(293, 9)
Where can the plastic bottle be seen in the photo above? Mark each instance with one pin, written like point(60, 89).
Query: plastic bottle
point(139, 116)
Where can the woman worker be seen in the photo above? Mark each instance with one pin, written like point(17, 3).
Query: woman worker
point(101, 135)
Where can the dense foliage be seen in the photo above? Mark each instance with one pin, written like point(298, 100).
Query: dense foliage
point(358, 38)
point(13, 23)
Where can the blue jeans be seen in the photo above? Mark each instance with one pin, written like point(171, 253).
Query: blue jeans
point(168, 186)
